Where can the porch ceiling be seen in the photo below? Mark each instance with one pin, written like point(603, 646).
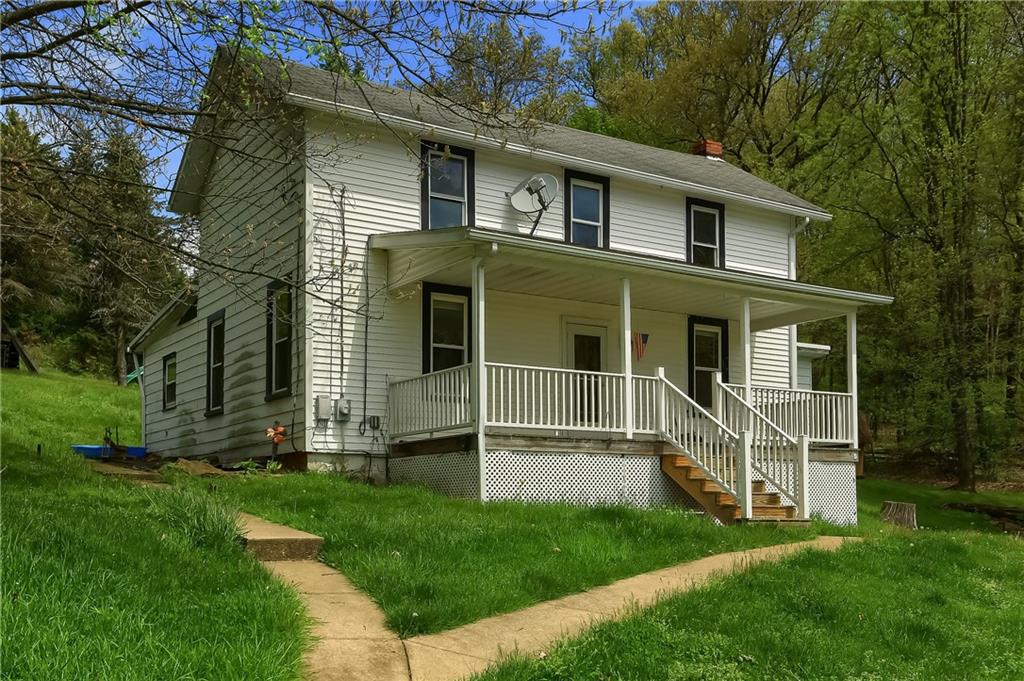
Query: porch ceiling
point(519, 264)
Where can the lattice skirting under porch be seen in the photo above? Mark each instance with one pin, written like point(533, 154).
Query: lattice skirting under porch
point(454, 474)
point(833, 491)
point(585, 479)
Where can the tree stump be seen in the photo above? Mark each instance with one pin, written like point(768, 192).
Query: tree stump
point(900, 513)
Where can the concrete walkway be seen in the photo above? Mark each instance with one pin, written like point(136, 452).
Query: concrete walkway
point(471, 648)
point(353, 643)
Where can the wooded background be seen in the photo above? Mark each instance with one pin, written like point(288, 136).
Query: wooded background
point(904, 120)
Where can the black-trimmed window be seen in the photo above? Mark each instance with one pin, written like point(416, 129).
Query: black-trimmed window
point(587, 208)
point(215, 363)
point(705, 233)
point(279, 339)
point(447, 187)
point(170, 380)
point(446, 326)
point(707, 353)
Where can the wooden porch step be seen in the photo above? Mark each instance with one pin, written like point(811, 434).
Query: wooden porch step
point(785, 522)
point(715, 500)
point(765, 511)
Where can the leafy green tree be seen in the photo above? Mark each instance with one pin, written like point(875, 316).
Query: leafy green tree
point(495, 69)
point(34, 270)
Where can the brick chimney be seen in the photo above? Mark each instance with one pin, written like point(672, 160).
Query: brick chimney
point(709, 148)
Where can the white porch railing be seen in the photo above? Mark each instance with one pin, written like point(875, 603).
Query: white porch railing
point(778, 458)
point(732, 443)
point(431, 403)
point(645, 404)
point(825, 417)
point(554, 399)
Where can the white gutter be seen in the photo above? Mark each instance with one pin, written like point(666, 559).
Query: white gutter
point(554, 157)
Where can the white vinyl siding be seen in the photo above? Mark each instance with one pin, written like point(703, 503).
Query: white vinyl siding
point(250, 216)
point(361, 181)
point(647, 220)
point(757, 240)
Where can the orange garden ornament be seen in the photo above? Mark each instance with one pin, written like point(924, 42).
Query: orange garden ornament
point(276, 433)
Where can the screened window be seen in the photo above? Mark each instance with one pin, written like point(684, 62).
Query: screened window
point(447, 190)
point(586, 209)
point(586, 214)
point(707, 355)
point(279, 339)
point(706, 230)
point(215, 363)
point(170, 380)
point(448, 331)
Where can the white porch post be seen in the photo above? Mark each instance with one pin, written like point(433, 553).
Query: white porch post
point(744, 475)
point(661, 411)
point(794, 364)
point(716, 395)
point(803, 481)
point(479, 372)
point(627, 357)
point(748, 355)
point(851, 375)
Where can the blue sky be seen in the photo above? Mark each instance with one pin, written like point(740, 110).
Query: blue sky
point(551, 32)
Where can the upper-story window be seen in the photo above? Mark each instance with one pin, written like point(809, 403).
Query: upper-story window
point(705, 233)
point(587, 203)
point(447, 186)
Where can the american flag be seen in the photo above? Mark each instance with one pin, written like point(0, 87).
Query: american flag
point(640, 344)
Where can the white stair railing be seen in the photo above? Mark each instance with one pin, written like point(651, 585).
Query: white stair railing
point(713, 446)
point(781, 460)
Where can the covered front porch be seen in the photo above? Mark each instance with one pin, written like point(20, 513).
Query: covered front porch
point(571, 343)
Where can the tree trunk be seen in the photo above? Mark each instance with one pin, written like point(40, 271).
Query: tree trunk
point(121, 357)
point(1013, 330)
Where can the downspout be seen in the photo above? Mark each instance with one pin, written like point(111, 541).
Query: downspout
point(797, 228)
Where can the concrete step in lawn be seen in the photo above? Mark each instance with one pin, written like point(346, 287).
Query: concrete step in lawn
point(270, 541)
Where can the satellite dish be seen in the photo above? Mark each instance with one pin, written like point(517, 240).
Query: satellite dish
point(535, 193)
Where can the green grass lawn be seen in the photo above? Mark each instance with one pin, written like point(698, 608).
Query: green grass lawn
point(934, 605)
point(930, 514)
point(433, 563)
point(108, 580)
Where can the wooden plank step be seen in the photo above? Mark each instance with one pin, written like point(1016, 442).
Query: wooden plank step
point(725, 499)
point(757, 486)
point(785, 522)
point(762, 511)
point(767, 498)
point(710, 486)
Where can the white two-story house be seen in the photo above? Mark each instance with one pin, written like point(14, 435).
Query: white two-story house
point(632, 342)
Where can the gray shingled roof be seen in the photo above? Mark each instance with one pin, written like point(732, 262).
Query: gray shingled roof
point(305, 81)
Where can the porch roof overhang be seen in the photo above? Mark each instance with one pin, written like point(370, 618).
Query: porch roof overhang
point(522, 264)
